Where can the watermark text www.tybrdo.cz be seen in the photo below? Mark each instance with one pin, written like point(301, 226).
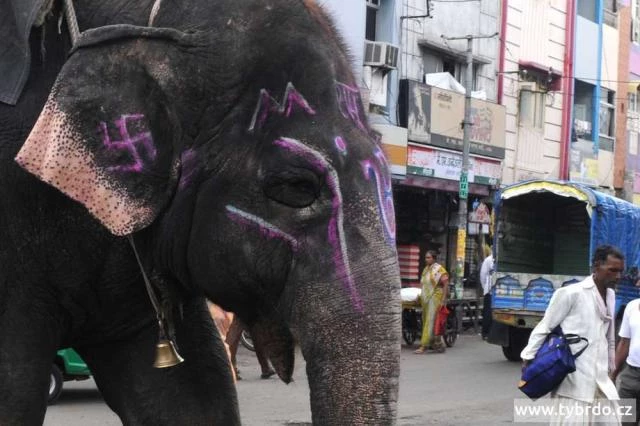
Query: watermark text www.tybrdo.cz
point(600, 410)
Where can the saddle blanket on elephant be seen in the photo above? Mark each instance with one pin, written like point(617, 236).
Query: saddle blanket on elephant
point(14, 43)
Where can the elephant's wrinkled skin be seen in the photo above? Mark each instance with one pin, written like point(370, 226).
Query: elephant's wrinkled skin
point(233, 146)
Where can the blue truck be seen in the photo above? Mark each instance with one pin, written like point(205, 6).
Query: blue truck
point(545, 233)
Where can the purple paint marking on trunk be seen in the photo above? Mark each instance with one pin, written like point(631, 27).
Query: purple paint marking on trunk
point(265, 228)
point(349, 104)
point(335, 229)
point(384, 191)
point(129, 143)
point(268, 106)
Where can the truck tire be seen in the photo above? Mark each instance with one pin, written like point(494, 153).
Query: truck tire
point(518, 338)
point(55, 384)
point(511, 353)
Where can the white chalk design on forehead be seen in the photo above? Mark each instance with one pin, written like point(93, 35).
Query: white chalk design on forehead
point(265, 228)
point(336, 234)
point(268, 106)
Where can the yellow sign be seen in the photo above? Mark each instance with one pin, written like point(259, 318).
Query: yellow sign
point(462, 242)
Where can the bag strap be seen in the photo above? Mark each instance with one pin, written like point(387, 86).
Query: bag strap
point(572, 339)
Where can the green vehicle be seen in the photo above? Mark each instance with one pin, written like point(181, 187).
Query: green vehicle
point(67, 366)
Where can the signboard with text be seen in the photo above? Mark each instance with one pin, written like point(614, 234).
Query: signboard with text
point(464, 185)
point(434, 117)
point(438, 163)
point(584, 163)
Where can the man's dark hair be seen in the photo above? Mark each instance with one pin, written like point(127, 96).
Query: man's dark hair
point(604, 251)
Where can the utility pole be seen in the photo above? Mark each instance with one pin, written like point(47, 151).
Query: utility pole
point(463, 193)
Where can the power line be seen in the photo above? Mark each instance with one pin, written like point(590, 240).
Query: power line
point(577, 78)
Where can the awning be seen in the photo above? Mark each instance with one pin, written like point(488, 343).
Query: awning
point(444, 50)
point(445, 185)
point(559, 188)
point(634, 85)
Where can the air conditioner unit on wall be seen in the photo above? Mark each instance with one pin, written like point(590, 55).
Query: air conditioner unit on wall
point(380, 54)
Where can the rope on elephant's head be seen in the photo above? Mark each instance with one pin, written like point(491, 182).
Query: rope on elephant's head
point(154, 12)
point(72, 21)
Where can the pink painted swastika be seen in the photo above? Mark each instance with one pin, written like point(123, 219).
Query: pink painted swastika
point(131, 144)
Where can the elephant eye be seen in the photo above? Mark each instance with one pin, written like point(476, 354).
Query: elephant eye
point(298, 189)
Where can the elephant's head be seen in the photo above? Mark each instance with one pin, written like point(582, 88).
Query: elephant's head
point(236, 142)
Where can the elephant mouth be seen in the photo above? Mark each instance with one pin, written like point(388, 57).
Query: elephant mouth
point(274, 336)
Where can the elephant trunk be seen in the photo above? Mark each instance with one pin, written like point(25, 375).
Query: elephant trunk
point(352, 355)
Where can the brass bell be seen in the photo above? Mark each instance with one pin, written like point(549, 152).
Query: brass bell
point(166, 354)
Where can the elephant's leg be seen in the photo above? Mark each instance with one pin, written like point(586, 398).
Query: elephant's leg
point(200, 391)
point(29, 336)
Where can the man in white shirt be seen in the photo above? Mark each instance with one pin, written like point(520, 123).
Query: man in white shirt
point(628, 352)
point(485, 280)
point(586, 309)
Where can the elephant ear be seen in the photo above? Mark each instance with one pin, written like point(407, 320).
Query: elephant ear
point(108, 137)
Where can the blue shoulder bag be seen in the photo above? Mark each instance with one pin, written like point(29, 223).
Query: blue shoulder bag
point(551, 365)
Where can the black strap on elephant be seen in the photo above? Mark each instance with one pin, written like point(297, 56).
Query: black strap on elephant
point(14, 43)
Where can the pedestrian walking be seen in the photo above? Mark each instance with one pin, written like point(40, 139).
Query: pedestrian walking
point(435, 289)
point(628, 355)
point(233, 339)
point(586, 309)
point(223, 320)
point(486, 270)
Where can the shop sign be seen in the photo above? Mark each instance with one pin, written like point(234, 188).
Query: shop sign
point(464, 185)
point(584, 163)
point(394, 145)
point(480, 214)
point(442, 164)
point(461, 243)
point(434, 117)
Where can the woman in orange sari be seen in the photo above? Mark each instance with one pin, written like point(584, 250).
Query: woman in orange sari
point(435, 289)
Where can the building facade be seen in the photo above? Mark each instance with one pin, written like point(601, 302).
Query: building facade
point(555, 86)
point(534, 88)
point(630, 9)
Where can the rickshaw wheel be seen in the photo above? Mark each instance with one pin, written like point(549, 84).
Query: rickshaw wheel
point(409, 336)
point(451, 333)
point(409, 331)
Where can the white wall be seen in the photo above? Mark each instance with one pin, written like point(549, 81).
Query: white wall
point(610, 43)
point(586, 53)
point(350, 19)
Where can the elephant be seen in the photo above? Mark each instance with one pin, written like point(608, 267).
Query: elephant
point(208, 150)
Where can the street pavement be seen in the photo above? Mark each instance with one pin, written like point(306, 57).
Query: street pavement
point(470, 383)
